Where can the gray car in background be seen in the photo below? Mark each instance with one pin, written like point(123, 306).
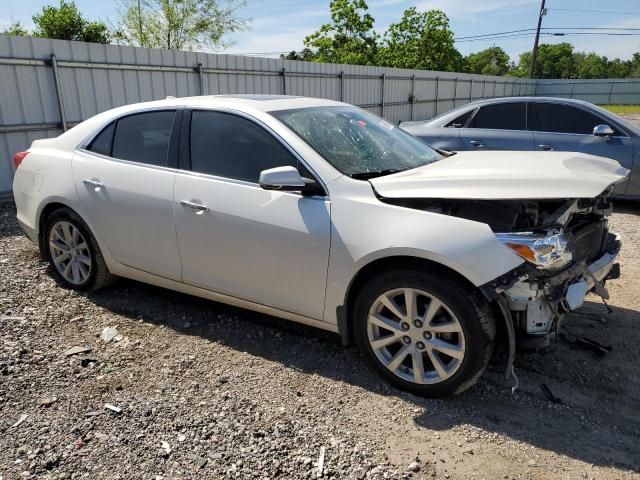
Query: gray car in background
point(537, 123)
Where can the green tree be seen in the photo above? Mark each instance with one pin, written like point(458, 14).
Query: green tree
point(305, 54)
point(179, 24)
point(16, 29)
point(553, 61)
point(590, 65)
point(349, 38)
point(420, 40)
point(491, 61)
point(66, 23)
point(634, 66)
point(617, 68)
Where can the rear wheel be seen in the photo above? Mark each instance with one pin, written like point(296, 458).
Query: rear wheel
point(424, 333)
point(73, 252)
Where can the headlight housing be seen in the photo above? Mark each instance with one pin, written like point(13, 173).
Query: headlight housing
point(543, 251)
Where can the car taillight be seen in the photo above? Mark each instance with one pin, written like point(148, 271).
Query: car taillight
point(17, 159)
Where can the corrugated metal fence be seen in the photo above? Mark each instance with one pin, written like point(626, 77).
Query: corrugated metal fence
point(602, 92)
point(46, 85)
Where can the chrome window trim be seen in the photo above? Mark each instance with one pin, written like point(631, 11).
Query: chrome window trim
point(245, 183)
point(127, 162)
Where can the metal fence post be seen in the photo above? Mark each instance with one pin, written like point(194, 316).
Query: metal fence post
point(437, 86)
point(484, 86)
point(413, 94)
point(382, 78)
point(200, 78)
point(284, 80)
point(573, 86)
point(471, 90)
point(341, 86)
point(56, 82)
point(610, 94)
point(455, 91)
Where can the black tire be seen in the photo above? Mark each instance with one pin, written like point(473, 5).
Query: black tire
point(473, 315)
point(99, 275)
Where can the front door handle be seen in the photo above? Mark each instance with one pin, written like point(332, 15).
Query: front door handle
point(546, 148)
point(476, 143)
point(196, 207)
point(93, 184)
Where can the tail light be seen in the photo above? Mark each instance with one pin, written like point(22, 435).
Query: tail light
point(17, 159)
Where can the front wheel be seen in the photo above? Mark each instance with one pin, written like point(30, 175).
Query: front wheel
point(424, 333)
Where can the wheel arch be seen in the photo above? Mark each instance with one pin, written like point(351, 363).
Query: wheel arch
point(46, 210)
point(381, 265)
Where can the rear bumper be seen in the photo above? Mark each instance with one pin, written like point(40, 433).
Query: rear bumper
point(29, 231)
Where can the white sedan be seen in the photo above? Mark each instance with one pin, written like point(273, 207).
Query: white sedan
point(322, 213)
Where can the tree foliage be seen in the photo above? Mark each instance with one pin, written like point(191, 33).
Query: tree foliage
point(491, 61)
point(16, 29)
point(179, 24)
point(65, 22)
point(349, 38)
point(420, 40)
point(553, 61)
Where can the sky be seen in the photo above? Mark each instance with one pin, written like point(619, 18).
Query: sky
point(281, 25)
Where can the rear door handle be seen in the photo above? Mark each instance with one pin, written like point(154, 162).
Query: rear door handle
point(546, 148)
point(196, 207)
point(476, 143)
point(93, 184)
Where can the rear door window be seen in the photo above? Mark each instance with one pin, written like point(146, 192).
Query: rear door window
point(144, 137)
point(557, 118)
point(230, 146)
point(501, 116)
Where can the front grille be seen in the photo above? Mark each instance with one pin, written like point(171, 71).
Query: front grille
point(587, 241)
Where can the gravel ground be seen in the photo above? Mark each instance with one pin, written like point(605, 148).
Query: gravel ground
point(207, 391)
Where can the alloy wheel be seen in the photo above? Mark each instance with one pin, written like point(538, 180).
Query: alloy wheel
point(70, 252)
point(415, 336)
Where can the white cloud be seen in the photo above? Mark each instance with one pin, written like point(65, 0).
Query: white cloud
point(285, 40)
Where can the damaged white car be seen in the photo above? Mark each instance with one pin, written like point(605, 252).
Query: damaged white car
point(322, 213)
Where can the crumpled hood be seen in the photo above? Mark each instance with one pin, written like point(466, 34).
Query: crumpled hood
point(494, 175)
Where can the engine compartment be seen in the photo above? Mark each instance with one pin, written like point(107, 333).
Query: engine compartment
point(515, 215)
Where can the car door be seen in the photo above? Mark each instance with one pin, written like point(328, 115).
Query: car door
point(568, 128)
point(235, 238)
point(498, 126)
point(125, 183)
point(441, 135)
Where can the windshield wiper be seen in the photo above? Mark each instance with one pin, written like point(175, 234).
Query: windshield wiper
point(368, 175)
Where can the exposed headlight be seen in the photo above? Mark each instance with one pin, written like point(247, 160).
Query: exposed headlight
point(541, 250)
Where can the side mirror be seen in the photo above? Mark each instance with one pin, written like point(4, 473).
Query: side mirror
point(281, 178)
point(602, 130)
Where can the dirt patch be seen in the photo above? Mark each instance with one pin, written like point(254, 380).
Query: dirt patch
point(208, 391)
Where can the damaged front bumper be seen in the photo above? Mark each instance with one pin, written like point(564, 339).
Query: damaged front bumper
point(530, 306)
point(538, 301)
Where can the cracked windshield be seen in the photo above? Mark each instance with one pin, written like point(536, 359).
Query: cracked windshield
point(357, 143)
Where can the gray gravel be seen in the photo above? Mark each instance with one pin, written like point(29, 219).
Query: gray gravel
point(199, 390)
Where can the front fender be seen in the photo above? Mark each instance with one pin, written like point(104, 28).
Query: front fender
point(364, 230)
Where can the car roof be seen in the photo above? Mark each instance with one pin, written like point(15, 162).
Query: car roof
point(528, 99)
point(265, 103)
point(453, 113)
